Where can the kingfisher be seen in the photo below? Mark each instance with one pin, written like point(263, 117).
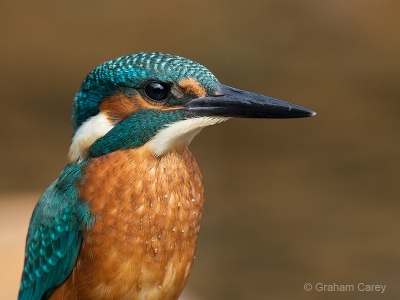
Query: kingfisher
point(122, 219)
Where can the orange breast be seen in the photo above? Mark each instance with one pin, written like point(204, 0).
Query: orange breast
point(148, 212)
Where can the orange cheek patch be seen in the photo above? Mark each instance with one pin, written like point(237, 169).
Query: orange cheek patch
point(118, 107)
point(192, 86)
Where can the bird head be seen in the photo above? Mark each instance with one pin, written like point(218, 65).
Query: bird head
point(160, 100)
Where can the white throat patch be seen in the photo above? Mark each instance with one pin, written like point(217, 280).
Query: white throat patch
point(90, 131)
point(180, 133)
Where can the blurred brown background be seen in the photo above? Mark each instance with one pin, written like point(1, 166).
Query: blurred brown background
point(287, 201)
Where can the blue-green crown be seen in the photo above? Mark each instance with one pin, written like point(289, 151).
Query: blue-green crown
point(131, 72)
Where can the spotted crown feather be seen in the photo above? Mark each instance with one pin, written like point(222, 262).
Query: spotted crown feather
point(130, 72)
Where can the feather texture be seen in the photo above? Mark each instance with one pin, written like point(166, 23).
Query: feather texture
point(142, 243)
point(54, 236)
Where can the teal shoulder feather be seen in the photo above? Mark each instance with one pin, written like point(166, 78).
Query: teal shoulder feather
point(54, 236)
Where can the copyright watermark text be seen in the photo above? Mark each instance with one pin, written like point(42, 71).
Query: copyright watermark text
point(335, 287)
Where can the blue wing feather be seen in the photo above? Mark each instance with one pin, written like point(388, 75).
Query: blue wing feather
point(54, 236)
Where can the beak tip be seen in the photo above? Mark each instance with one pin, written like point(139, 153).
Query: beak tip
point(311, 113)
point(296, 111)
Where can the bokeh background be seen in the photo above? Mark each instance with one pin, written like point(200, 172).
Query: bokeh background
point(287, 201)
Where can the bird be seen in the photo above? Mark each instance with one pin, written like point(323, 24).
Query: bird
point(121, 221)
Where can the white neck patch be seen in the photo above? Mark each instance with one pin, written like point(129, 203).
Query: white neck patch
point(90, 131)
point(180, 133)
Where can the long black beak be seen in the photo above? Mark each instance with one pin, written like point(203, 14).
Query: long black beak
point(231, 102)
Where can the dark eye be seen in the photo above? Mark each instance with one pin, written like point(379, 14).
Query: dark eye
point(157, 90)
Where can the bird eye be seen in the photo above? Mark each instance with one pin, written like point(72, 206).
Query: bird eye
point(157, 90)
